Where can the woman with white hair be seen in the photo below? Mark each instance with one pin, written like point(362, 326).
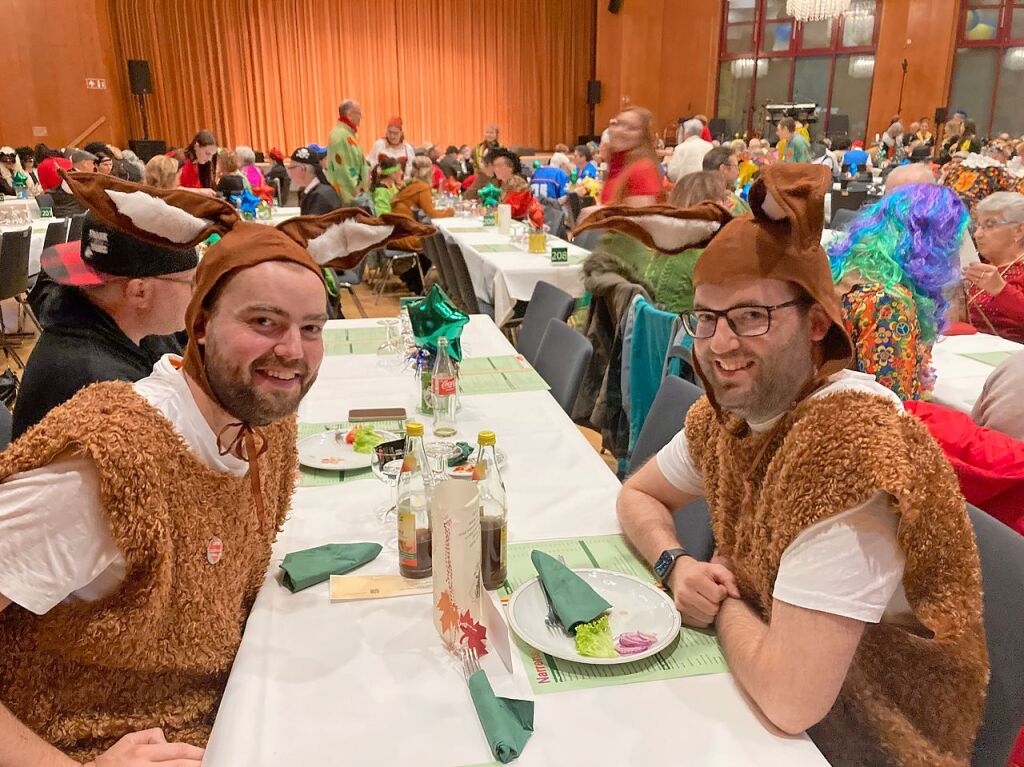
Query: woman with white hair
point(552, 180)
point(247, 165)
point(995, 286)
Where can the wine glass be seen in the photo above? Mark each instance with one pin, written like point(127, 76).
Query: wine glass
point(386, 463)
point(390, 352)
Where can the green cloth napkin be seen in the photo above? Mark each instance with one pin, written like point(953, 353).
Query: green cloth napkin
point(507, 722)
point(303, 569)
point(465, 450)
point(574, 600)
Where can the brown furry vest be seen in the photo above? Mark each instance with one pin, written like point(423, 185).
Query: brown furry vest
point(909, 699)
point(157, 652)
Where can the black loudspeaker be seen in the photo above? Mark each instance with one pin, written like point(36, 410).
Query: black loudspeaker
point(941, 114)
point(593, 92)
point(138, 75)
point(147, 149)
point(614, 6)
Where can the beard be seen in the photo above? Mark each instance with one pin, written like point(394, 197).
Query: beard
point(768, 388)
point(241, 394)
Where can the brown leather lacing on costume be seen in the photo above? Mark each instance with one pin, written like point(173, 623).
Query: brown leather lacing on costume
point(246, 438)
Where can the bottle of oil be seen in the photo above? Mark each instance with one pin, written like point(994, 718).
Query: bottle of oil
point(493, 513)
point(414, 534)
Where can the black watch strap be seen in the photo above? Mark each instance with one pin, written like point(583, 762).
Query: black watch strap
point(667, 560)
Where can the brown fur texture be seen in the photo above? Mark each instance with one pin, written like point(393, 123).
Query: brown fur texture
point(918, 698)
point(157, 652)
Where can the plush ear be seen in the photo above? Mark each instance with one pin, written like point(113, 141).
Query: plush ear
point(170, 218)
point(340, 239)
point(792, 192)
point(664, 228)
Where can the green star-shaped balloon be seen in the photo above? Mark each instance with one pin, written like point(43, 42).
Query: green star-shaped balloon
point(489, 196)
point(20, 179)
point(437, 316)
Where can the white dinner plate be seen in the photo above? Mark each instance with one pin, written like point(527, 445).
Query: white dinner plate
point(636, 606)
point(325, 451)
point(465, 470)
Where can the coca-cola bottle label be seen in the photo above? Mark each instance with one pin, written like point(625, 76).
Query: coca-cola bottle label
point(443, 387)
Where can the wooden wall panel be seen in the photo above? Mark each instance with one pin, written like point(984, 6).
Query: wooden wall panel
point(60, 43)
point(923, 32)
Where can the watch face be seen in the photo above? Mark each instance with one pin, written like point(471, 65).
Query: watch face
point(662, 565)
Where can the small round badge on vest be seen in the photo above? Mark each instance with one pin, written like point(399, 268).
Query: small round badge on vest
point(214, 550)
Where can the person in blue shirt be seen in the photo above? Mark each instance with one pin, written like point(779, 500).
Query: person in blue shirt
point(856, 159)
point(583, 159)
point(552, 180)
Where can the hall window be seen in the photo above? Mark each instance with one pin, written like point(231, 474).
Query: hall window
point(988, 70)
point(767, 57)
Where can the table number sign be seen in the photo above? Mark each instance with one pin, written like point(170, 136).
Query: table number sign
point(46, 213)
point(489, 219)
point(559, 255)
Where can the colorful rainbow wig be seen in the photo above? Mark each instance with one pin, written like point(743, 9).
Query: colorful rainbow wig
point(911, 237)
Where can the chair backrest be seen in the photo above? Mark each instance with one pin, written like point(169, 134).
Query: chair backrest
point(44, 200)
point(463, 281)
point(547, 303)
point(664, 419)
point(1001, 549)
point(554, 218)
point(6, 426)
point(841, 218)
point(56, 233)
point(76, 226)
point(693, 526)
point(850, 200)
point(575, 205)
point(562, 360)
point(436, 250)
point(588, 240)
point(14, 253)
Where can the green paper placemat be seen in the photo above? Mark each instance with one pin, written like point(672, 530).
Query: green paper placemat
point(989, 358)
point(322, 477)
point(498, 375)
point(340, 341)
point(692, 654)
point(473, 229)
point(501, 247)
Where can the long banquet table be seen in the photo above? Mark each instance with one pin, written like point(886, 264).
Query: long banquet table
point(501, 278)
point(368, 683)
point(960, 378)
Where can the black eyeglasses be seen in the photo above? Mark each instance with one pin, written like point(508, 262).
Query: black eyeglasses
point(743, 320)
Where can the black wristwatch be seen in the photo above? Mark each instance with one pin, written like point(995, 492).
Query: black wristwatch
point(666, 562)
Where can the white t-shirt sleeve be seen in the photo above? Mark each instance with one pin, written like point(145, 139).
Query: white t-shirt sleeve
point(54, 539)
point(849, 564)
point(676, 464)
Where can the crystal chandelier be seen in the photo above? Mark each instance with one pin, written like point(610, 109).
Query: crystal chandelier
point(816, 10)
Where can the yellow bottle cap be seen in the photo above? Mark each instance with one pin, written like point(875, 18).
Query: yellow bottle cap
point(486, 438)
point(413, 429)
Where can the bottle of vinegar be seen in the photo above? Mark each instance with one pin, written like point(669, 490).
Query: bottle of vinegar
point(414, 534)
point(493, 513)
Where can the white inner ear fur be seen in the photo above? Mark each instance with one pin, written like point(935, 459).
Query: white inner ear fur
point(154, 215)
point(674, 234)
point(771, 208)
point(345, 237)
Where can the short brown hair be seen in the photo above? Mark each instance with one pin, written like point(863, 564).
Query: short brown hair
point(161, 171)
point(695, 188)
point(788, 123)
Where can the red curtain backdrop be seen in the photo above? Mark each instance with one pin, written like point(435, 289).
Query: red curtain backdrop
point(273, 72)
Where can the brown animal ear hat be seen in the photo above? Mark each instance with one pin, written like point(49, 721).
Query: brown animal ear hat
point(779, 240)
point(176, 218)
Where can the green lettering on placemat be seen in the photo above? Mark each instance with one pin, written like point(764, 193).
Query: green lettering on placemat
point(498, 375)
point(692, 654)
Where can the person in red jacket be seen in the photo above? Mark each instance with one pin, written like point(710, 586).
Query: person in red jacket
point(199, 173)
point(995, 287)
point(988, 463)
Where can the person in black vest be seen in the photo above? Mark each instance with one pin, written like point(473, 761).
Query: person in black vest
point(318, 197)
point(109, 318)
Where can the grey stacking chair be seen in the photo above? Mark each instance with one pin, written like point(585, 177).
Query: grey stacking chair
point(547, 303)
point(562, 361)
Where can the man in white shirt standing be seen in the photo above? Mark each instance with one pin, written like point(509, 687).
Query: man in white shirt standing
point(846, 586)
point(688, 157)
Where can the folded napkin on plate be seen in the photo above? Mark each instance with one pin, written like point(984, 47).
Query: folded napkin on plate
point(303, 569)
point(575, 602)
point(465, 450)
point(507, 722)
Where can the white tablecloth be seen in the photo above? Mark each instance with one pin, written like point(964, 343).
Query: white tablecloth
point(38, 237)
point(959, 379)
point(501, 279)
point(368, 683)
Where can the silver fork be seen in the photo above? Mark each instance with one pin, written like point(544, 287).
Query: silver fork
point(551, 621)
point(470, 662)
